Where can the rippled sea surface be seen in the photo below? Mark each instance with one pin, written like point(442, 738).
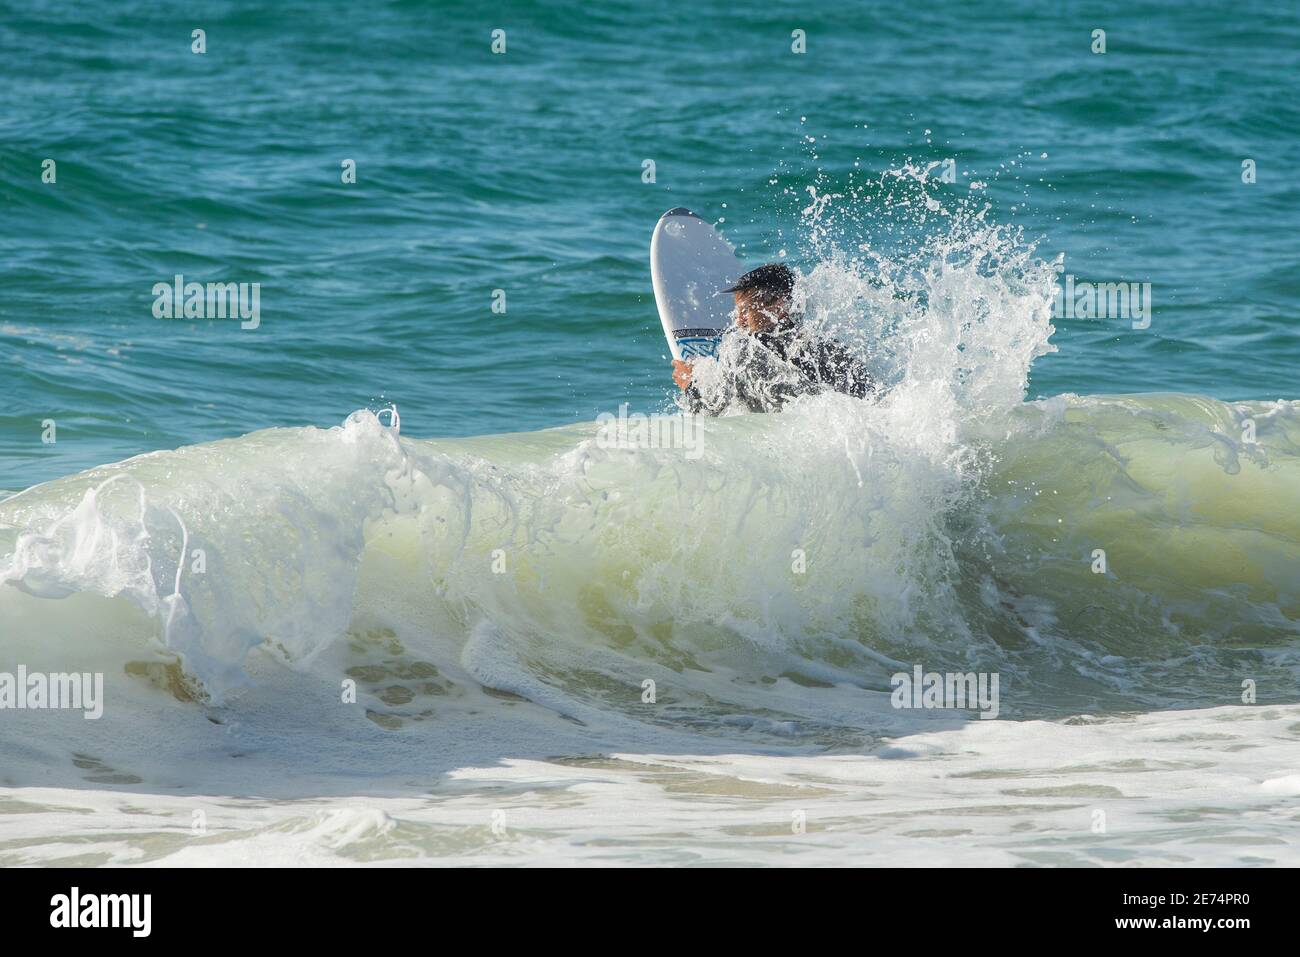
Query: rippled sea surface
point(522, 172)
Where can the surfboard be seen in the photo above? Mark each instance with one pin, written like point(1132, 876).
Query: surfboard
point(690, 265)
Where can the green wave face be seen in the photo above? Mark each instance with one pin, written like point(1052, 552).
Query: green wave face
point(824, 547)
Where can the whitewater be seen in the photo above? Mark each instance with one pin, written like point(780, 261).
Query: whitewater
point(351, 645)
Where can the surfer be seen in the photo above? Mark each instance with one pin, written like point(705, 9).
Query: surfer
point(767, 357)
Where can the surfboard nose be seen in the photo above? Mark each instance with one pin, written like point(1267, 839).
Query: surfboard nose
point(678, 211)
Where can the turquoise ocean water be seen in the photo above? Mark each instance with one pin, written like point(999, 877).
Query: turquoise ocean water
point(643, 654)
point(522, 172)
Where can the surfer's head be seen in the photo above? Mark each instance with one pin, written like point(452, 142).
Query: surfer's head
point(764, 297)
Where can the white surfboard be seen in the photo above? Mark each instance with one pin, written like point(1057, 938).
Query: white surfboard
point(690, 265)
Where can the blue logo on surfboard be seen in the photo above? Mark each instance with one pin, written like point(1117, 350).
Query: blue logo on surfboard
point(697, 343)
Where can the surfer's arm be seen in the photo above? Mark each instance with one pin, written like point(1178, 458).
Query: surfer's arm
point(691, 397)
point(695, 402)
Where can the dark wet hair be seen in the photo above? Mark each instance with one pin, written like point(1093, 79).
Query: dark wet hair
point(773, 282)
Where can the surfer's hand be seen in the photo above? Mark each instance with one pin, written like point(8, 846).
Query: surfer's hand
point(682, 373)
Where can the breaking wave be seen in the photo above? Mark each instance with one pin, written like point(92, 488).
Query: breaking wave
point(1099, 552)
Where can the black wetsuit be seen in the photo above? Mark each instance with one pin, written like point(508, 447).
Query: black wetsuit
point(762, 371)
